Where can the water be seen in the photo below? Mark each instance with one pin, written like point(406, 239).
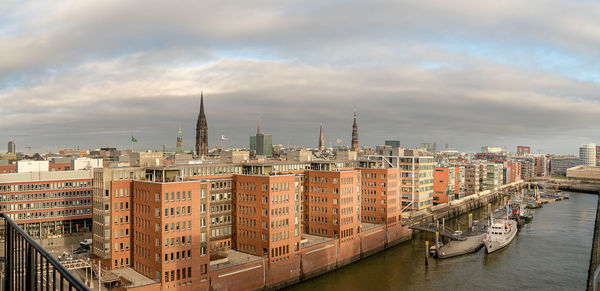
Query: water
point(550, 253)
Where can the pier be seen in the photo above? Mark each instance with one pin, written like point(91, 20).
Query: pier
point(458, 207)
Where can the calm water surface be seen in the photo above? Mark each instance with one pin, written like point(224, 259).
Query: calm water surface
point(550, 253)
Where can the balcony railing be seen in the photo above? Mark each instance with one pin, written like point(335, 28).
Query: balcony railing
point(28, 266)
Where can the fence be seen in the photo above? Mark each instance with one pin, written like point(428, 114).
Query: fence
point(28, 266)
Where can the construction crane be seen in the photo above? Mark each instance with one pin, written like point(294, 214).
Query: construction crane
point(29, 148)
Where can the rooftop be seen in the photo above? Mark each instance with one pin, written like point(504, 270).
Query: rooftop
point(234, 258)
point(134, 277)
point(309, 240)
point(367, 226)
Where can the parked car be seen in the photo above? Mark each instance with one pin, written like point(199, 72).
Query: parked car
point(80, 250)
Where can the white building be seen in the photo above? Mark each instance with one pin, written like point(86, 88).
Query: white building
point(587, 155)
point(27, 166)
point(86, 164)
point(490, 149)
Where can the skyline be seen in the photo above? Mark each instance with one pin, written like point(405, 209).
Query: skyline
point(92, 74)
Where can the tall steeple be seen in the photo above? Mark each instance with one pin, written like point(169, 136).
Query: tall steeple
point(179, 139)
point(201, 130)
point(321, 140)
point(354, 145)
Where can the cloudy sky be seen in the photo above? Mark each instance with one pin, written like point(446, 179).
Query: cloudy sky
point(466, 73)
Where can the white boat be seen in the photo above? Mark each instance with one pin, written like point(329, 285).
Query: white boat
point(499, 234)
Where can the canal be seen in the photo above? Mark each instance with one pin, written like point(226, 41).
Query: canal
point(550, 253)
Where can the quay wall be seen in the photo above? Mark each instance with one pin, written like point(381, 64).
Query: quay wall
point(593, 279)
point(582, 188)
point(319, 258)
point(310, 262)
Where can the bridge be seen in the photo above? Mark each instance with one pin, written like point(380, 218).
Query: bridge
point(433, 228)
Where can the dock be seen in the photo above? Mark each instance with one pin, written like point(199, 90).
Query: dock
point(470, 244)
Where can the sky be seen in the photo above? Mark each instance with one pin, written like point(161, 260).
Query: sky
point(90, 74)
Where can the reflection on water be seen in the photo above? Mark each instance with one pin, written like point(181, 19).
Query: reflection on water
point(550, 253)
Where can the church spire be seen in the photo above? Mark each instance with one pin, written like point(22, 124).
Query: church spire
point(179, 139)
point(201, 130)
point(321, 139)
point(354, 146)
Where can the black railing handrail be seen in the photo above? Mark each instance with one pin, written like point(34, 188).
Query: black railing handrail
point(73, 281)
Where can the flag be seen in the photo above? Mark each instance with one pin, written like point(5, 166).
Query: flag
point(223, 137)
point(133, 139)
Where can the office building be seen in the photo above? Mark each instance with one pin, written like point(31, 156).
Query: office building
point(332, 203)
point(587, 155)
point(523, 150)
point(444, 184)
point(267, 216)
point(393, 143)
point(48, 202)
point(560, 164)
point(429, 146)
point(492, 150)
point(261, 144)
point(379, 196)
point(12, 149)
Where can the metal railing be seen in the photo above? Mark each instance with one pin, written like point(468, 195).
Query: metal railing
point(28, 266)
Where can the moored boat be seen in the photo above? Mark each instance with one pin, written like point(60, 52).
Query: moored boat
point(500, 233)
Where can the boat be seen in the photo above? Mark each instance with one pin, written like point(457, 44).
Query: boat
point(520, 212)
point(534, 205)
point(500, 233)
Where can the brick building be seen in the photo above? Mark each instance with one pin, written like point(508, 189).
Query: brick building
point(44, 202)
point(332, 203)
point(267, 215)
point(379, 195)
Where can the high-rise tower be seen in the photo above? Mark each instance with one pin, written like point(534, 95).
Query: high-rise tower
point(201, 131)
point(179, 139)
point(354, 145)
point(11, 147)
point(321, 140)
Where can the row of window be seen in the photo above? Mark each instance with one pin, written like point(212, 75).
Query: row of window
point(182, 274)
point(176, 256)
point(45, 195)
point(50, 214)
point(220, 208)
point(216, 232)
point(44, 186)
point(220, 220)
point(45, 205)
point(176, 211)
point(178, 226)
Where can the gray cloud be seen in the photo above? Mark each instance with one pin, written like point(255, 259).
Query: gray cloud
point(92, 73)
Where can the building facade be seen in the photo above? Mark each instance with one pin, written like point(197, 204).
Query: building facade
point(47, 203)
point(379, 196)
point(587, 155)
point(12, 149)
point(332, 203)
point(444, 184)
point(523, 150)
